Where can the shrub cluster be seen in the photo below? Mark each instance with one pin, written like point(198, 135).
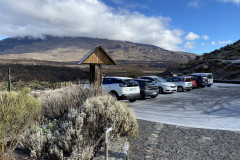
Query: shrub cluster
point(18, 110)
point(80, 117)
point(59, 101)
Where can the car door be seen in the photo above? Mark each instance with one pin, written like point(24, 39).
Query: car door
point(177, 81)
point(107, 82)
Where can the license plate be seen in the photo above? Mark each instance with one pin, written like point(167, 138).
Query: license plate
point(133, 89)
point(154, 93)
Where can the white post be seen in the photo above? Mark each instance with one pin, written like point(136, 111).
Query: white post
point(106, 142)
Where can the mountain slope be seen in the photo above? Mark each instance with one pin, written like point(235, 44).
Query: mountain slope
point(70, 49)
point(224, 63)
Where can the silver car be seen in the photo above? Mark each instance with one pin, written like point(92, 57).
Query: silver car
point(182, 83)
point(162, 84)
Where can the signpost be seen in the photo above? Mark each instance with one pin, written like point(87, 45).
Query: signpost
point(95, 58)
point(108, 135)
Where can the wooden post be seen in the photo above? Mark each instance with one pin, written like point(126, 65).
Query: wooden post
point(92, 74)
point(95, 74)
point(99, 75)
point(9, 80)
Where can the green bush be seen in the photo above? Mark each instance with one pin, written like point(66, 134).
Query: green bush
point(18, 110)
point(134, 73)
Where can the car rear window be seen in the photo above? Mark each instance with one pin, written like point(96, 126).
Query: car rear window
point(130, 83)
point(188, 80)
point(209, 76)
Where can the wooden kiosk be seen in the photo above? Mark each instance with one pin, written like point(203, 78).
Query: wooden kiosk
point(95, 58)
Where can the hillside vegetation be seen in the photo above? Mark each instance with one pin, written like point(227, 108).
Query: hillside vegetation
point(72, 49)
point(224, 63)
point(39, 76)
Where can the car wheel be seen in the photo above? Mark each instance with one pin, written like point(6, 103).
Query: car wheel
point(132, 100)
point(209, 85)
point(153, 96)
point(114, 94)
point(180, 89)
point(160, 90)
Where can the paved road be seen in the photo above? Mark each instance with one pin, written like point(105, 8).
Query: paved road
point(215, 107)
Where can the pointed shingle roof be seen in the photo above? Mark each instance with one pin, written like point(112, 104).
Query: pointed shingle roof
point(98, 55)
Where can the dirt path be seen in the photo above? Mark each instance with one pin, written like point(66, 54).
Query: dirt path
point(163, 142)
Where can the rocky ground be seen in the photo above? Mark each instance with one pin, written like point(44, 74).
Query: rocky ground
point(162, 142)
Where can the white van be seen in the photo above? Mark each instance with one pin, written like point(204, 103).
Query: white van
point(209, 77)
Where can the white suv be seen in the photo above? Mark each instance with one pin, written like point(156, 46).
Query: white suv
point(183, 83)
point(162, 84)
point(123, 88)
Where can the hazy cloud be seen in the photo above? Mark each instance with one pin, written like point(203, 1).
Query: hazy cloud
point(189, 45)
point(194, 3)
point(233, 1)
point(213, 43)
point(89, 18)
point(205, 37)
point(224, 42)
point(192, 36)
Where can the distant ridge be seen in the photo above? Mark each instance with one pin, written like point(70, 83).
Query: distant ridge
point(224, 63)
point(72, 49)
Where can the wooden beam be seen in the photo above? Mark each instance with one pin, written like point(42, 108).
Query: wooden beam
point(92, 73)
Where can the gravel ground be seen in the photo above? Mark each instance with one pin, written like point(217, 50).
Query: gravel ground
point(163, 142)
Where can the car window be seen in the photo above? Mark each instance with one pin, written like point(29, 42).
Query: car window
point(193, 78)
point(176, 79)
point(188, 80)
point(169, 79)
point(209, 76)
point(141, 83)
point(107, 81)
point(159, 79)
point(116, 81)
point(148, 78)
point(130, 83)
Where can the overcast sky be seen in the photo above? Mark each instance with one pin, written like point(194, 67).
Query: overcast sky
point(196, 26)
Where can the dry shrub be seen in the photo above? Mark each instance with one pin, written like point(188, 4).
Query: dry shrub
point(18, 110)
point(74, 135)
point(106, 111)
point(59, 101)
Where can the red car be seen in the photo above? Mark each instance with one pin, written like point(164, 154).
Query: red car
point(194, 82)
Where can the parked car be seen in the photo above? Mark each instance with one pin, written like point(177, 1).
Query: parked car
point(123, 88)
point(200, 80)
point(147, 89)
point(194, 81)
point(162, 85)
point(207, 76)
point(183, 83)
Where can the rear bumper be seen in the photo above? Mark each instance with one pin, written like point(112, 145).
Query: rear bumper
point(194, 86)
point(129, 96)
point(150, 93)
point(188, 88)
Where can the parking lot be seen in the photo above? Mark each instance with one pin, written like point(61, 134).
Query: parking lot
point(215, 107)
